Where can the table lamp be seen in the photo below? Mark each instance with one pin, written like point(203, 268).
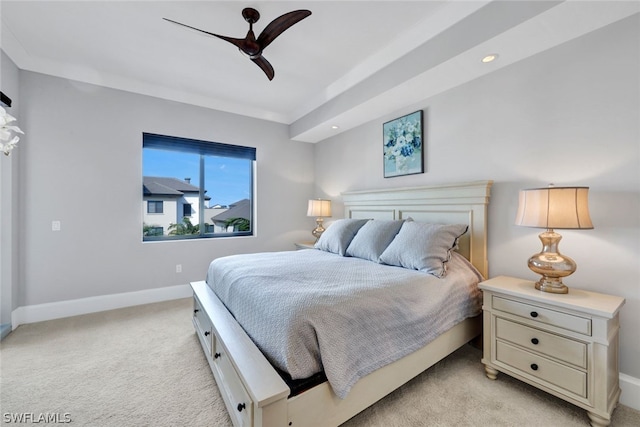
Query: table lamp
point(319, 208)
point(553, 208)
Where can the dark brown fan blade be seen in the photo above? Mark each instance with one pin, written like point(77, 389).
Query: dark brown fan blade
point(279, 25)
point(265, 65)
point(239, 43)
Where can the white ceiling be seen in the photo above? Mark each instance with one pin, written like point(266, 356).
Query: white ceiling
point(348, 63)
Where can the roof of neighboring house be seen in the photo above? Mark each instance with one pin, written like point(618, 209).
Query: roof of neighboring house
point(239, 209)
point(167, 186)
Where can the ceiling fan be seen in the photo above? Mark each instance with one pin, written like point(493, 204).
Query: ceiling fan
point(253, 47)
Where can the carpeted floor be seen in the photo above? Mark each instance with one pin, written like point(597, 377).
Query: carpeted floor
point(143, 366)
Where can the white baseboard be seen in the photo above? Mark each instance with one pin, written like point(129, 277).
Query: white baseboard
point(630, 391)
point(57, 310)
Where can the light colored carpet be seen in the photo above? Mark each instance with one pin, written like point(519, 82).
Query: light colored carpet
point(143, 366)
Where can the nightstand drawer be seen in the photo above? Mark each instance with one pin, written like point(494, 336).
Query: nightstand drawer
point(558, 347)
point(569, 379)
point(537, 314)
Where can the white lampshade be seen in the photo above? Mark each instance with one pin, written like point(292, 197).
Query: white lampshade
point(554, 208)
point(319, 208)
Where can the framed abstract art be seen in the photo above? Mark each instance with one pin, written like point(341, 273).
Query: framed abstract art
point(403, 145)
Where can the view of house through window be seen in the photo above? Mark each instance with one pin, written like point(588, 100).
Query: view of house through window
point(194, 189)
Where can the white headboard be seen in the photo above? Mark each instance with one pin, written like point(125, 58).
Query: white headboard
point(460, 203)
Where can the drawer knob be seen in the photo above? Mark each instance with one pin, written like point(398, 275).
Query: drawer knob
point(534, 341)
point(241, 406)
point(534, 366)
point(534, 314)
point(215, 356)
point(206, 333)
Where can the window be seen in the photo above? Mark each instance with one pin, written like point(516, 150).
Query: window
point(154, 206)
point(196, 189)
point(153, 231)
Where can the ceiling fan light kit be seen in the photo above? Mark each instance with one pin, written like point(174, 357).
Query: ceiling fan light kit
point(253, 47)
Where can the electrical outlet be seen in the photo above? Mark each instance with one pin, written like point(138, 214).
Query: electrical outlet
point(55, 225)
point(178, 268)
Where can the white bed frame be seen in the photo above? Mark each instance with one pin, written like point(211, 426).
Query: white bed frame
point(254, 393)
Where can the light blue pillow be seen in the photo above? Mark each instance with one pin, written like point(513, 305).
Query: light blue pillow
point(373, 238)
point(422, 246)
point(338, 235)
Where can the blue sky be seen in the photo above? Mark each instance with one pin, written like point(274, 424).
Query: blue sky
point(227, 180)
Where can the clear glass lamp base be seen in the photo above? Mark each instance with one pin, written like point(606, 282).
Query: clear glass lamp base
point(556, 287)
point(551, 264)
point(317, 232)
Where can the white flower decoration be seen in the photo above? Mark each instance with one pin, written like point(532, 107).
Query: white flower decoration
point(8, 139)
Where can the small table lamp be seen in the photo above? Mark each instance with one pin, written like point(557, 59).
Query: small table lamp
point(319, 208)
point(552, 208)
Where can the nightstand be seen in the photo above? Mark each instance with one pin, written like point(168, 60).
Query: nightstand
point(305, 245)
point(564, 344)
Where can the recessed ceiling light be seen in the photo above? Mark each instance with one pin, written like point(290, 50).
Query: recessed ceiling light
point(335, 127)
point(490, 58)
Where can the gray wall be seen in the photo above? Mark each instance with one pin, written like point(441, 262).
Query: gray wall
point(568, 116)
point(82, 165)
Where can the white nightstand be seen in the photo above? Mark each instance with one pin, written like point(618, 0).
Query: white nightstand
point(565, 344)
point(305, 245)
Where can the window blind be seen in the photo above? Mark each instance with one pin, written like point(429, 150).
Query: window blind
point(152, 140)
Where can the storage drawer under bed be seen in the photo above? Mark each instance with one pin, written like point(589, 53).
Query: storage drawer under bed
point(236, 397)
point(239, 403)
point(203, 326)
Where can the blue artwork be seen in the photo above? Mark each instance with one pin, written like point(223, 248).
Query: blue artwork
point(403, 145)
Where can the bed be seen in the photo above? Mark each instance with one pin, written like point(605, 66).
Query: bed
point(253, 375)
